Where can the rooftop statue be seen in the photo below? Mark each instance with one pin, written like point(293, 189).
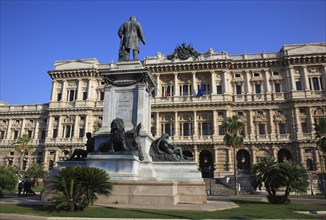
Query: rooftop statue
point(183, 52)
point(130, 34)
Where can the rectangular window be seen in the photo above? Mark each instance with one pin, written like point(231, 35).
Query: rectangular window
point(261, 129)
point(219, 89)
point(29, 133)
point(153, 130)
point(84, 96)
point(277, 87)
point(185, 91)
point(167, 129)
point(205, 128)
point(258, 88)
point(81, 132)
point(16, 133)
point(276, 73)
point(298, 85)
point(187, 128)
point(238, 89)
point(43, 134)
point(55, 133)
point(315, 83)
point(2, 135)
point(71, 95)
point(304, 127)
point(220, 130)
point(102, 96)
point(281, 128)
point(59, 96)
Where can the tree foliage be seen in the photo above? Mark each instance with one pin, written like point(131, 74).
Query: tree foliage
point(35, 171)
point(22, 147)
point(320, 133)
point(8, 179)
point(234, 138)
point(288, 175)
point(76, 188)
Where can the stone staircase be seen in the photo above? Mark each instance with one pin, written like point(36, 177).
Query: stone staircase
point(225, 186)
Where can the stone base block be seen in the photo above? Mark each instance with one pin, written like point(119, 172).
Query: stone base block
point(155, 193)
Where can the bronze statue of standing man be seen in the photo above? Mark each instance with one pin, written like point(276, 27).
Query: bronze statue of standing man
point(130, 34)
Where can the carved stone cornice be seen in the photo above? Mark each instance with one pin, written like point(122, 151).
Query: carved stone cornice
point(77, 73)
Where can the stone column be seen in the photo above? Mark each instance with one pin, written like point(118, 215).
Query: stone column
point(250, 125)
point(89, 90)
point(158, 86)
point(216, 158)
point(298, 123)
point(45, 160)
point(8, 129)
point(275, 151)
point(49, 133)
point(54, 91)
point(76, 127)
point(230, 159)
point(36, 130)
point(253, 156)
point(317, 159)
point(22, 128)
point(194, 89)
point(60, 129)
point(176, 125)
point(215, 124)
point(305, 78)
point(157, 124)
point(176, 85)
point(248, 89)
point(196, 156)
point(213, 80)
point(195, 127)
point(79, 90)
point(323, 76)
point(64, 91)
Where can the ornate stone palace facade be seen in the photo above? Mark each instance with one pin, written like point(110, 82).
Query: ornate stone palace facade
point(279, 96)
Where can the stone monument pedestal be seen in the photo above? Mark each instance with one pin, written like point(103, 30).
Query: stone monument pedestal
point(137, 180)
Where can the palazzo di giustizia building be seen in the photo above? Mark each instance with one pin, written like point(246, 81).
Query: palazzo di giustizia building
point(279, 96)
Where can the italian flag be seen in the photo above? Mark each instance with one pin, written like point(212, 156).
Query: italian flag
point(166, 90)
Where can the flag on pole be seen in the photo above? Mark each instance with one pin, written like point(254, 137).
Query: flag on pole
point(166, 86)
point(201, 90)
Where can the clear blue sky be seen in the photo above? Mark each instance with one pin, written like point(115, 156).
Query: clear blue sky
point(34, 34)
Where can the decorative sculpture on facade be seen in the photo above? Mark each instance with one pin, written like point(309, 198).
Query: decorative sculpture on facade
point(162, 150)
point(183, 52)
point(130, 33)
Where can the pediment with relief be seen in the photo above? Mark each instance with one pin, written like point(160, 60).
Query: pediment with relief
point(76, 64)
point(297, 49)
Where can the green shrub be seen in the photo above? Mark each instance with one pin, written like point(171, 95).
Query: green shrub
point(8, 179)
point(278, 199)
point(76, 188)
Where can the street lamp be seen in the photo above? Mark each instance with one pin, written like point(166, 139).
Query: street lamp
point(210, 182)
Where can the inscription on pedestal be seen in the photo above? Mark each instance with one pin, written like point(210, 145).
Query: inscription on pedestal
point(124, 107)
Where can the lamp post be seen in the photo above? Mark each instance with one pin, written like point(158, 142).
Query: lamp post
point(210, 182)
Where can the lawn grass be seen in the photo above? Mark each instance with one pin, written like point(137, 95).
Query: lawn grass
point(247, 210)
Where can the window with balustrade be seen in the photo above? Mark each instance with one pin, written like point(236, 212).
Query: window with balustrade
point(186, 124)
point(204, 121)
point(167, 124)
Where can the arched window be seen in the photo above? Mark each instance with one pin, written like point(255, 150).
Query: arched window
point(167, 124)
point(205, 123)
point(186, 124)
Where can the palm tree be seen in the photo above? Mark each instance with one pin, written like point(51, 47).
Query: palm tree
point(262, 174)
point(35, 171)
point(293, 177)
point(320, 138)
point(75, 188)
point(234, 138)
point(22, 147)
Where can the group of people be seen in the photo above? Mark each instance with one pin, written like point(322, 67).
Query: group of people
point(25, 188)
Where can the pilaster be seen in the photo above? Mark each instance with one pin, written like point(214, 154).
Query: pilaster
point(304, 73)
point(79, 90)
point(194, 89)
point(176, 91)
point(213, 82)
